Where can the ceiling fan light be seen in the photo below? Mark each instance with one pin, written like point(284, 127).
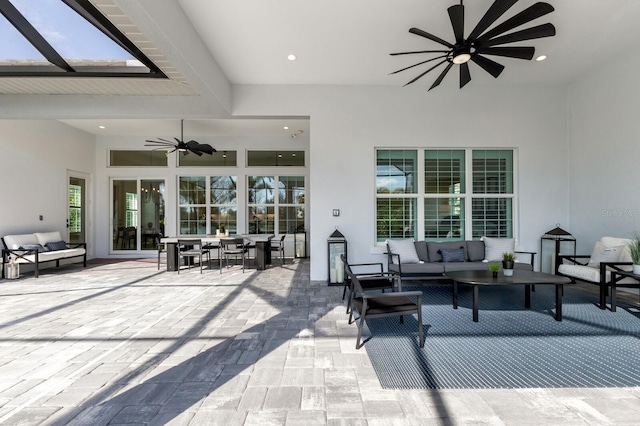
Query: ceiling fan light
point(461, 55)
point(461, 58)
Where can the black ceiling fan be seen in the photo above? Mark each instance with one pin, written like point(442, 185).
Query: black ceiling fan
point(181, 146)
point(479, 43)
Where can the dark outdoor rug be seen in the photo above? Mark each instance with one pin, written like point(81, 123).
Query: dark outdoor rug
point(510, 346)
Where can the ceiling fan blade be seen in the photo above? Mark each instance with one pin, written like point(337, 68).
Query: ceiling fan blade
point(419, 51)
point(456, 15)
point(497, 9)
point(488, 65)
point(200, 147)
point(421, 75)
point(160, 143)
point(431, 37)
point(465, 75)
point(509, 52)
point(441, 76)
point(540, 31)
point(419, 63)
point(164, 140)
point(196, 152)
point(529, 14)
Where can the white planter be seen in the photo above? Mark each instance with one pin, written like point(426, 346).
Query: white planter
point(508, 272)
point(636, 269)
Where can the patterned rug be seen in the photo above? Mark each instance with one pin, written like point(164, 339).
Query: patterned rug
point(510, 346)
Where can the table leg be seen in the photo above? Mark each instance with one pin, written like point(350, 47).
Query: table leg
point(558, 302)
point(172, 256)
point(475, 303)
point(527, 296)
point(455, 295)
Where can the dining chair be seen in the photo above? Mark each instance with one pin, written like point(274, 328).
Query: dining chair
point(191, 248)
point(278, 246)
point(233, 247)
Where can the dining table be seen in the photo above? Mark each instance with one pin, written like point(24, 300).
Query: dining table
point(261, 243)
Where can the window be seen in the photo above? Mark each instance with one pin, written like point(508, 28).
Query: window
point(291, 197)
point(396, 194)
point(192, 201)
point(131, 209)
point(275, 158)
point(75, 208)
point(223, 204)
point(443, 206)
point(137, 158)
point(217, 159)
point(207, 204)
point(262, 204)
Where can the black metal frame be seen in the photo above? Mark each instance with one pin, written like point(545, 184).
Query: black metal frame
point(90, 13)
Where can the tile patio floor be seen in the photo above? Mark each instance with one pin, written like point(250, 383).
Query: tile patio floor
point(122, 343)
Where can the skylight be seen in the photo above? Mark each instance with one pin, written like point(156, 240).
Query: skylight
point(66, 38)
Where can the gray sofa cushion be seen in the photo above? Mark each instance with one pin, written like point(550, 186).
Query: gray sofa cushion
point(417, 269)
point(475, 251)
point(421, 249)
point(464, 266)
point(434, 249)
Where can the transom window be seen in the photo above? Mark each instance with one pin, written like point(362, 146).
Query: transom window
point(426, 194)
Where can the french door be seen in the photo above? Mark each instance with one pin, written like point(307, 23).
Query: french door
point(138, 214)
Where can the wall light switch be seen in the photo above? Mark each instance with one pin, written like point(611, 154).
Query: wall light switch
point(41, 217)
point(336, 212)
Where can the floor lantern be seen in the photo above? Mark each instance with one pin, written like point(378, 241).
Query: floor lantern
point(336, 246)
point(554, 243)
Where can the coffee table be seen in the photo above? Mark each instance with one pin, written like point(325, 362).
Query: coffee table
point(476, 279)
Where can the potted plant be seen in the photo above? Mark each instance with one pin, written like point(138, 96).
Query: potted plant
point(508, 259)
point(494, 267)
point(634, 249)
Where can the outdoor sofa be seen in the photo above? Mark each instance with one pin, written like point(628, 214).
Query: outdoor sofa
point(39, 247)
point(425, 260)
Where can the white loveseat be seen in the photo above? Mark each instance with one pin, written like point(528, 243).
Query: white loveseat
point(39, 247)
point(609, 254)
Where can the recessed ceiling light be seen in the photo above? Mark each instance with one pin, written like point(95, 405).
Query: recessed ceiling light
point(101, 127)
point(286, 127)
point(541, 58)
point(291, 57)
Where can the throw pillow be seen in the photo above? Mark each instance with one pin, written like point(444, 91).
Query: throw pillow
point(405, 248)
point(602, 253)
point(37, 247)
point(56, 245)
point(453, 255)
point(494, 247)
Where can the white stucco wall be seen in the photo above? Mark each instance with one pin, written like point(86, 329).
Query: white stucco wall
point(603, 141)
point(349, 122)
point(35, 157)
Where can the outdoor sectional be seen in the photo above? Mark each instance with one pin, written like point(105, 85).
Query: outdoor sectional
point(431, 260)
point(39, 247)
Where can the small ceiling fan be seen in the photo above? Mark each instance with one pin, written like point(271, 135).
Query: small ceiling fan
point(181, 146)
point(480, 43)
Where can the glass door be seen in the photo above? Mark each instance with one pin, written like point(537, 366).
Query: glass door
point(151, 213)
point(77, 214)
point(138, 214)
